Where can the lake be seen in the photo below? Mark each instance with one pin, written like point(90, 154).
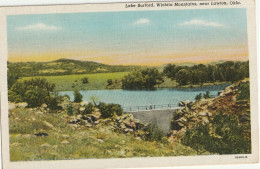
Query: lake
point(143, 98)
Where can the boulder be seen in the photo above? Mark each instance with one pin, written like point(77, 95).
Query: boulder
point(41, 134)
point(65, 142)
point(21, 105)
point(75, 121)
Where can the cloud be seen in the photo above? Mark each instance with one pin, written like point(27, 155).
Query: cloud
point(142, 21)
point(198, 22)
point(39, 27)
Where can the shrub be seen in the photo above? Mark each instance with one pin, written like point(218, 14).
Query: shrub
point(109, 82)
point(77, 97)
point(223, 136)
point(70, 110)
point(207, 95)
point(84, 80)
point(154, 133)
point(198, 97)
point(35, 92)
point(89, 108)
point(244, 91)
point(109, 110)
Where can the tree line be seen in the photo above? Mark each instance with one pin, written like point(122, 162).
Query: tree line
point(184, 75)
point(198, 74)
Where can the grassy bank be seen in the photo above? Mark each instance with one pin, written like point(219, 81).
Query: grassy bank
point(64, 141)
point(74, 82)
point(98, 81)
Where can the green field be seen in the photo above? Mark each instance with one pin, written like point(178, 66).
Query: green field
point(96, 81)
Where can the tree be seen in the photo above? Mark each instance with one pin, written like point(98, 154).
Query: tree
point(207, 95)
point(144, 79)
point(109, 110)
point(198, 97)
point(77, 97)
point(109, 82)
point(35, 92)
point(94, 99)
point(183, 77)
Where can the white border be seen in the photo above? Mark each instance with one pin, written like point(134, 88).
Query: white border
point(129, 162)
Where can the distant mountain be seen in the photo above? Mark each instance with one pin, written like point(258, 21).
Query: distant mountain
point(63, 67)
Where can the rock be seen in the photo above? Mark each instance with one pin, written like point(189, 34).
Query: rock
point(138, 138)
point(27, 136)
point(88, 125)
point(93, 118)
point(87, 118)
point(15, 144)
point(45, 145)
point(122, 152)
point(96, 122)
point(48, 124)
point(100, 140)
point(79, 116)
point(64, 142)
point(38, 112)
point(75, 121)
point(21, 105)
point(81, 109)
point(244, 119)
point(186, 103)
point(41, 134)
point(11, 105)
point(203, 113)
point(83, 103)
point(65, 136)
point(44, 106)
point(205, 119)
point(122, 126)
point(55, 146)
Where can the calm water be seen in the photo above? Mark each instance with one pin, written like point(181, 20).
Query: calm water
point(133, 98)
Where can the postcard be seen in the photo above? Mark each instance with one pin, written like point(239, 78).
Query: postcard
point(124, 85)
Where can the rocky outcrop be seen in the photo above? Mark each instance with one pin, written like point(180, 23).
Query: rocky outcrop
point(126, 123)
point(202, 112)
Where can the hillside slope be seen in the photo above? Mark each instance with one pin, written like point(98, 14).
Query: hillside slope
point(218, 125)
point(63, 67)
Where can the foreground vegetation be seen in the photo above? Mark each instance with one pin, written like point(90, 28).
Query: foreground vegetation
point(217, 125)
point(40, 135)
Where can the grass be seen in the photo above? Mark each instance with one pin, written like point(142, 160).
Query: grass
point(65, 142)
point(168, 83)
point(96, 81)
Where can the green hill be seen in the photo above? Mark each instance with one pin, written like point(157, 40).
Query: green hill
point(63, 67)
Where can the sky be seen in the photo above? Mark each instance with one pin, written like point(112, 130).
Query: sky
point(130, 37)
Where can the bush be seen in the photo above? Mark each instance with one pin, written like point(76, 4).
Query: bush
point(207, 95)
point(77, 97)
point(109, 82)
point(223, 136)
point(70, 110)
point(89, 108)
point(244, 91)
point(84, 80)
point(109, 110)
point(198, 97)
point(35, 92)
point(154, 133)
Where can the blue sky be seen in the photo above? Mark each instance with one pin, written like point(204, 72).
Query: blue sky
point(122, 37)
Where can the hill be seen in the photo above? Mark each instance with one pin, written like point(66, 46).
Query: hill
point(63, 67)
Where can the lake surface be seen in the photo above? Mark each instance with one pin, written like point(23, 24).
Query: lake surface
point(143, 98)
